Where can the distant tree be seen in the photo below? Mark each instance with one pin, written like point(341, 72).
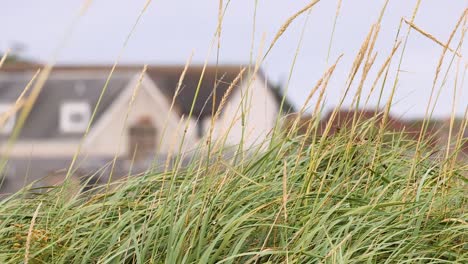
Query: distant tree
point(11, 58)
point(14, 56)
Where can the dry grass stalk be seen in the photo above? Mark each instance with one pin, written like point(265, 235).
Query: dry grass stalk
point(360, 57)
point(19, 101)
point(431, 37)
point(454, 105)
point(226, 95)
point(311, 122)
point(138, 85)
point(7, 114)
point(356, 65)
point(326, 76)
point(365, 71)
point(84, 8)
point(382, 12)
point(464, 122)
point(176, 94)
point(382, 69)
point(390, 99)
point(132, 162)
point(367, 66)
point(220, 143)
point(427, 116)
point(463, 18)
point(181, 79)
point(27, 105)
point(335, 248)
point(254, 28)
point(357, 98)
point(449, 165)
point(285, 191)
point(288, 22)
point(462, 128)
point(220, 22)
point(30, 232)
point(413, 17)
point(456, 220)
point(48, 69)
point(247, 97)
point(218, 49)
point(242, 105)
point(130, 105)
point(147, 3)
point(218, 36)
point(37, 88)
point(337, 14)
point(373, 41)
point(325, 85)
point(375, 30)
point(292, 128)
point(172, 148)
point(386, 67)
point(4, 57)
point(415, 11)
point(338, 7)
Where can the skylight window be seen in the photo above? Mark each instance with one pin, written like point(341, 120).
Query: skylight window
point(7, 118)
point(74, 117)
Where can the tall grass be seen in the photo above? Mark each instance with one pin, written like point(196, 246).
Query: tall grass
point(258, 211)
point(363, 195)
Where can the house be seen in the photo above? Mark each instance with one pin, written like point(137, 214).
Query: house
point(436, 132)
point(141, 116)
point(442, 134)
point(343, 120)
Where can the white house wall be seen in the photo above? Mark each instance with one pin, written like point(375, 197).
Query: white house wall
point(111, 136)
point(41, 148)
point(261, 110)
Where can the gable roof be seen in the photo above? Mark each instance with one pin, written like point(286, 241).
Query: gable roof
point(278, 94)
point(216, 79)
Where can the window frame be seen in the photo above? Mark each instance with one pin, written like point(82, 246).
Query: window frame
point(70, 108)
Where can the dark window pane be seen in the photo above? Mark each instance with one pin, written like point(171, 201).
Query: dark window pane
point(76, 118)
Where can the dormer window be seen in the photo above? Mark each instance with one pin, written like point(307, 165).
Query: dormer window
point(74, 117)
point(7, 118)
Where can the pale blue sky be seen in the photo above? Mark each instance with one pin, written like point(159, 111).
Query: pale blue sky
point(171, 29)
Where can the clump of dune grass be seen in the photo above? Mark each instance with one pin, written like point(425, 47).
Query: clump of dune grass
point(292, 203)
point(363, 195)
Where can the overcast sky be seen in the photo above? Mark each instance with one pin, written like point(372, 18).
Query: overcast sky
point(171, 29)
